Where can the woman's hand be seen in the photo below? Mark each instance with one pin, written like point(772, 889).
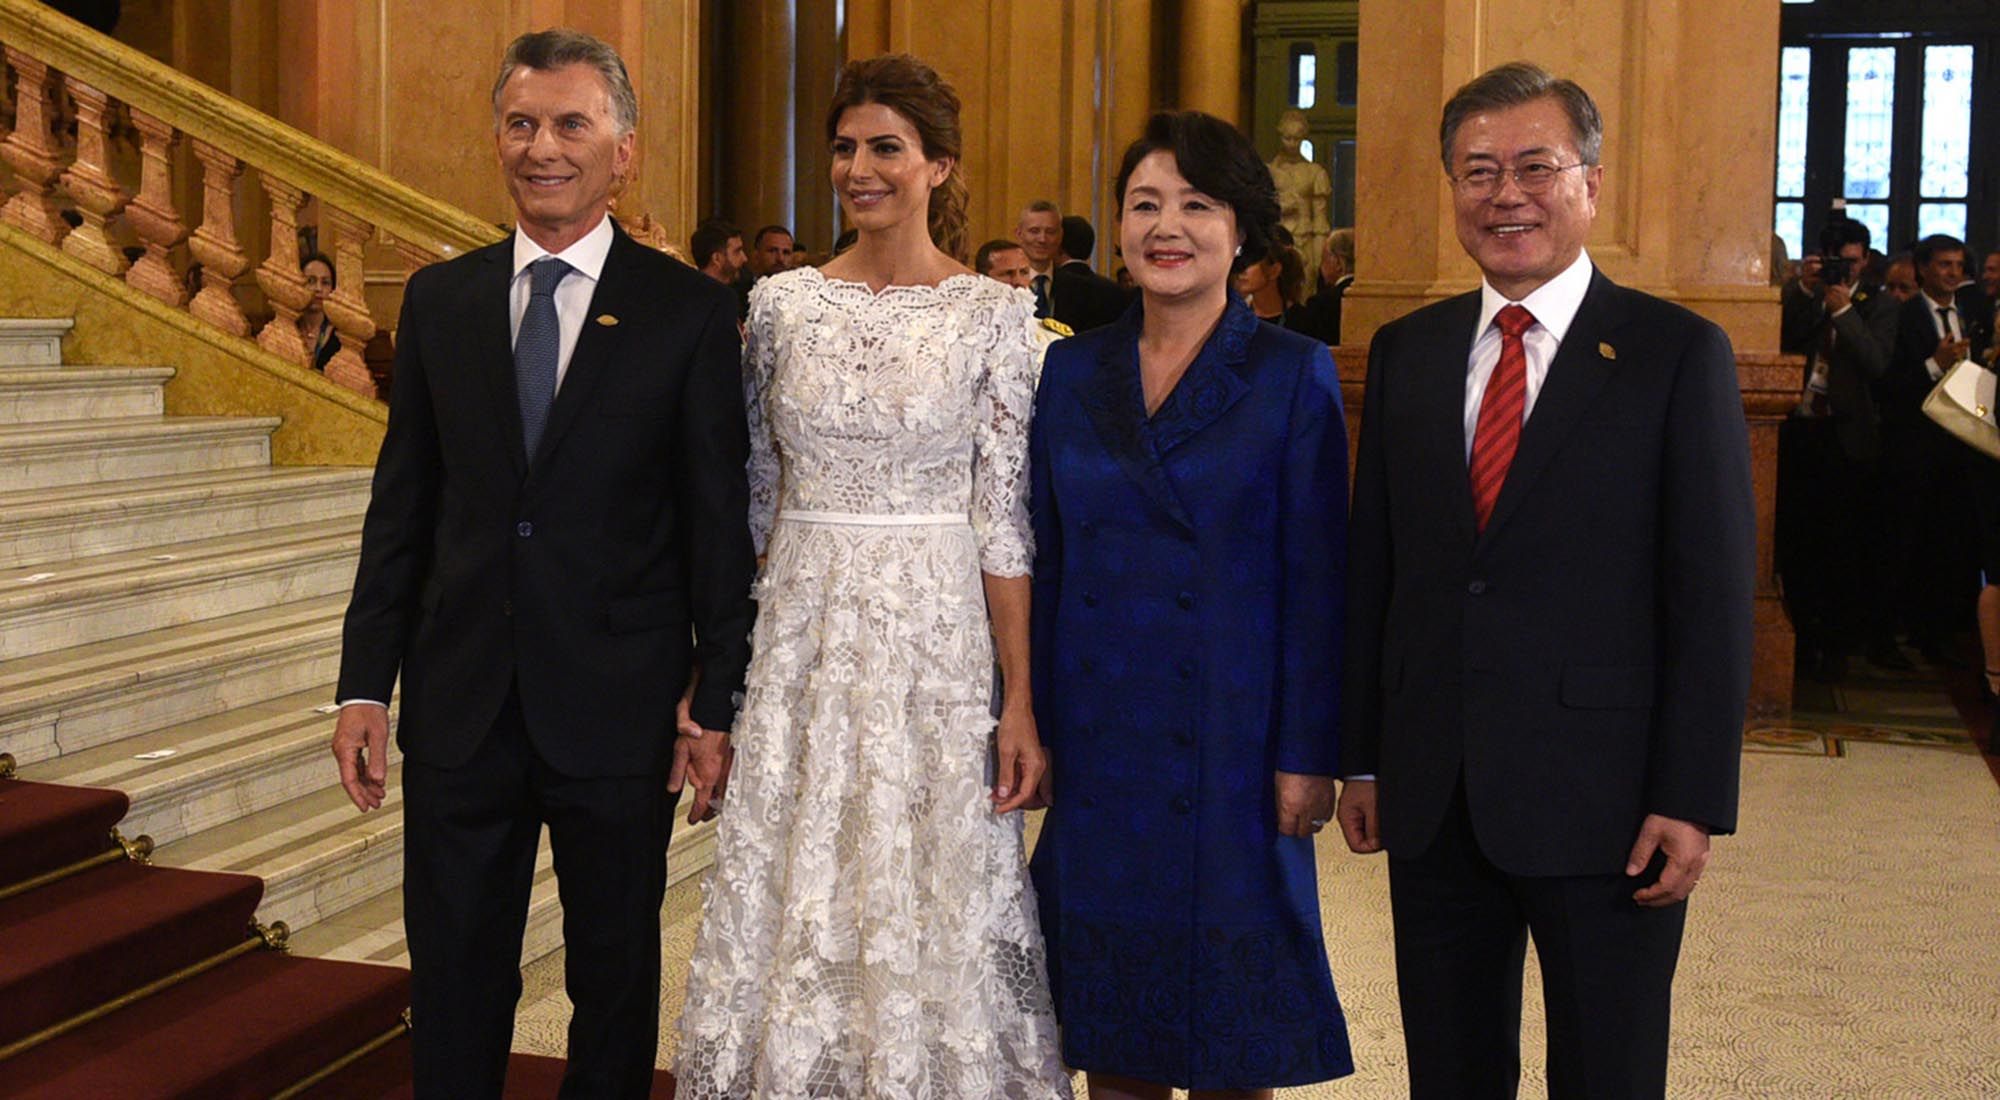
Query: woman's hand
point(1022, 762)
point(1305, 803)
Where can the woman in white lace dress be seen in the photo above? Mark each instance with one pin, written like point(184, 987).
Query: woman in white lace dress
point(869, 929)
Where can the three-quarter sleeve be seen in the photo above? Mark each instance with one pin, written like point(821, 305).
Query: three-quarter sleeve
point(1000, 459)
point(759, 365)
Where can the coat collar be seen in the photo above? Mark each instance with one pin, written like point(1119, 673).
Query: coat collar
point(1114, 398)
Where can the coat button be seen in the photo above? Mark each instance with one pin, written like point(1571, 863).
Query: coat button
point(1186, 600)
point(1087, 527)
point(1088, 665)
point(1182, 804)
point(1186, 670)
point(1184, 738)
point(1477, 588)
point(506, 607)
point(524, 529)
point(1090, 599)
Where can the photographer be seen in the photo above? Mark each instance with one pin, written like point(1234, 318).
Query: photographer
point(1833, 550)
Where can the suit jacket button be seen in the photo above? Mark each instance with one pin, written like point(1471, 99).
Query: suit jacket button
point(1184, 738)
point(1186, 601)
point(1182, 804)
point(506, 607)
point(1186, 670)
point(1087, 527)
point(1088, 665)
point(524, 529)
point(1090, 599)
point(1477, 588)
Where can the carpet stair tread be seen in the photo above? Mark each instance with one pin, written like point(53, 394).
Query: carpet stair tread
point(83, 940)
point(385, 1075)
point(242, 1031)
point(44, 826)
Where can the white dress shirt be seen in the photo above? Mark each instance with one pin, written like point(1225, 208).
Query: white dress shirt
point(573, 296)
point(1554, 305)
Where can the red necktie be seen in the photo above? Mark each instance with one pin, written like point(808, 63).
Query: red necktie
point(1497, 434)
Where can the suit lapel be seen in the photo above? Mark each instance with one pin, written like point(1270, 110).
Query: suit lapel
point(493, 345)
point(1575, 378)
point(1112, 399)
point(594, 345)
point(1439, 393)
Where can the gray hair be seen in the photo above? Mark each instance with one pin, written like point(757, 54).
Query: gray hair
point(1513, 84)
point(560, 47)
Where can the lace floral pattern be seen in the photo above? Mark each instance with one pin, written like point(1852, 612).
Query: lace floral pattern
point(869, 928)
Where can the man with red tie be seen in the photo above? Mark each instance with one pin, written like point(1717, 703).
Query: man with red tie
point(1549, 605)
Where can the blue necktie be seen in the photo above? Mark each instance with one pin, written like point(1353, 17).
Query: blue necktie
point(537, 347)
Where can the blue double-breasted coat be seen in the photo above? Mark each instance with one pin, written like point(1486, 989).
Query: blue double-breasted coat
point(1187, 628)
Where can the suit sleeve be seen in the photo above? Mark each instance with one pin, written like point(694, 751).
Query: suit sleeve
point(398, 533)
point(715, 507)
point(1708, 533)
point(1046, 519)
point(1312, 517)
point(1370, 578)
point(1865, 348)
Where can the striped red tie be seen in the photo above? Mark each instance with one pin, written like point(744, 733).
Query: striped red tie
point(1497, 434)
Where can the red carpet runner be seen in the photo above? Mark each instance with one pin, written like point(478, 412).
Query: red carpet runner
point(219, 1014)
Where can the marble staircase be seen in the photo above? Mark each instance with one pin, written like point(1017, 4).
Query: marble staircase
point(170, 612)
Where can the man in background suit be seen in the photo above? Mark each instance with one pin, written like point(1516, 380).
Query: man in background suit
point(1549, 605)
point(1083, 299)
point(1336, 274)
point(1927, 471)
point(558, 532)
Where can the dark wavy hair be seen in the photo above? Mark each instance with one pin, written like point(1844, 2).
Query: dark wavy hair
point(1220, 162)
point(915, 91)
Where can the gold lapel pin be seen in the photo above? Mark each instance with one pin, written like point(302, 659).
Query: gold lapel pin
point(606, 319)
point(1606, 350)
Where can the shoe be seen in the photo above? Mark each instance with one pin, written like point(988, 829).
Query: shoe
point(1887, 655)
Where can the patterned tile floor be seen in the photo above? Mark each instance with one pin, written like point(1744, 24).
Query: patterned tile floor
point(1841, 945)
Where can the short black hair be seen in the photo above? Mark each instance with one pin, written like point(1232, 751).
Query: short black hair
point(1221, 163)
point(710, 237)
point(982, 261)
point(1928, 248)
point(758, 240)
point(1841, 231)
point(1079, 240)
point(332, 271)
point(1516, 83)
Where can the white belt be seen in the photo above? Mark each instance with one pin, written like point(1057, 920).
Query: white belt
point(876, 519)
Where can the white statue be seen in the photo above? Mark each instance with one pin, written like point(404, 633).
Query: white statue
point(1304, 189)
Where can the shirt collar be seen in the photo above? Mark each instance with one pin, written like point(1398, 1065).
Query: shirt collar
point(1554, 303)
point(586, 255)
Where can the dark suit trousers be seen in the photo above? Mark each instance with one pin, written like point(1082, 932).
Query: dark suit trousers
point(468, 866)
point(1461, 929)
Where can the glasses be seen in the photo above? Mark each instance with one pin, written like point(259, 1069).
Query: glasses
point(1532, 178)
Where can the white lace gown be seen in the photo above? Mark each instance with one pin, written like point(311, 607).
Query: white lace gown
point(869, 929)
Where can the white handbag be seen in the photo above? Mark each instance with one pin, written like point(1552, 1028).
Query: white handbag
point(1963, 403)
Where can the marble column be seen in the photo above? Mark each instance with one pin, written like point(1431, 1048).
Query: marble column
point(1211, 58)
point(1688, 92)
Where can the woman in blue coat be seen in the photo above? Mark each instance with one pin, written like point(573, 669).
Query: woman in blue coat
point(1189, 470)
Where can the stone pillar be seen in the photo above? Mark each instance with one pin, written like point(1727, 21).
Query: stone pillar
point(1685, 212)
point(1211, 69)
point(756, 144)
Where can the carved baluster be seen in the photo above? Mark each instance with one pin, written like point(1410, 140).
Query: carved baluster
point(284, 287)
point(32, 151)
point(88, 181)
point(347, 306)
point(152, 215)
point(214, 243)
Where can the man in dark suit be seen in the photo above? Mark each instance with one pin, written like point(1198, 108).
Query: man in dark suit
point(1083, 299)
point(558, 532)
point(1336, 274)
point(1834, 549)
point(1927, 471)
point(1549, 607)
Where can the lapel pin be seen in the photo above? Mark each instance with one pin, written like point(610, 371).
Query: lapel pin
point(606, 319)
point(1607, 351)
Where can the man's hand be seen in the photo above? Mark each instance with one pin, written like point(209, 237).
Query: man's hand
point(1358, 821)
point(1949, 352)
point(1018, 777)
point(361, 748)
point(1684, 843)
point(1837, 298)
point(1305, 803)
point(703, 760)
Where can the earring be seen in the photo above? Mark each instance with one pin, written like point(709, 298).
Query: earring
point(1239, 250)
